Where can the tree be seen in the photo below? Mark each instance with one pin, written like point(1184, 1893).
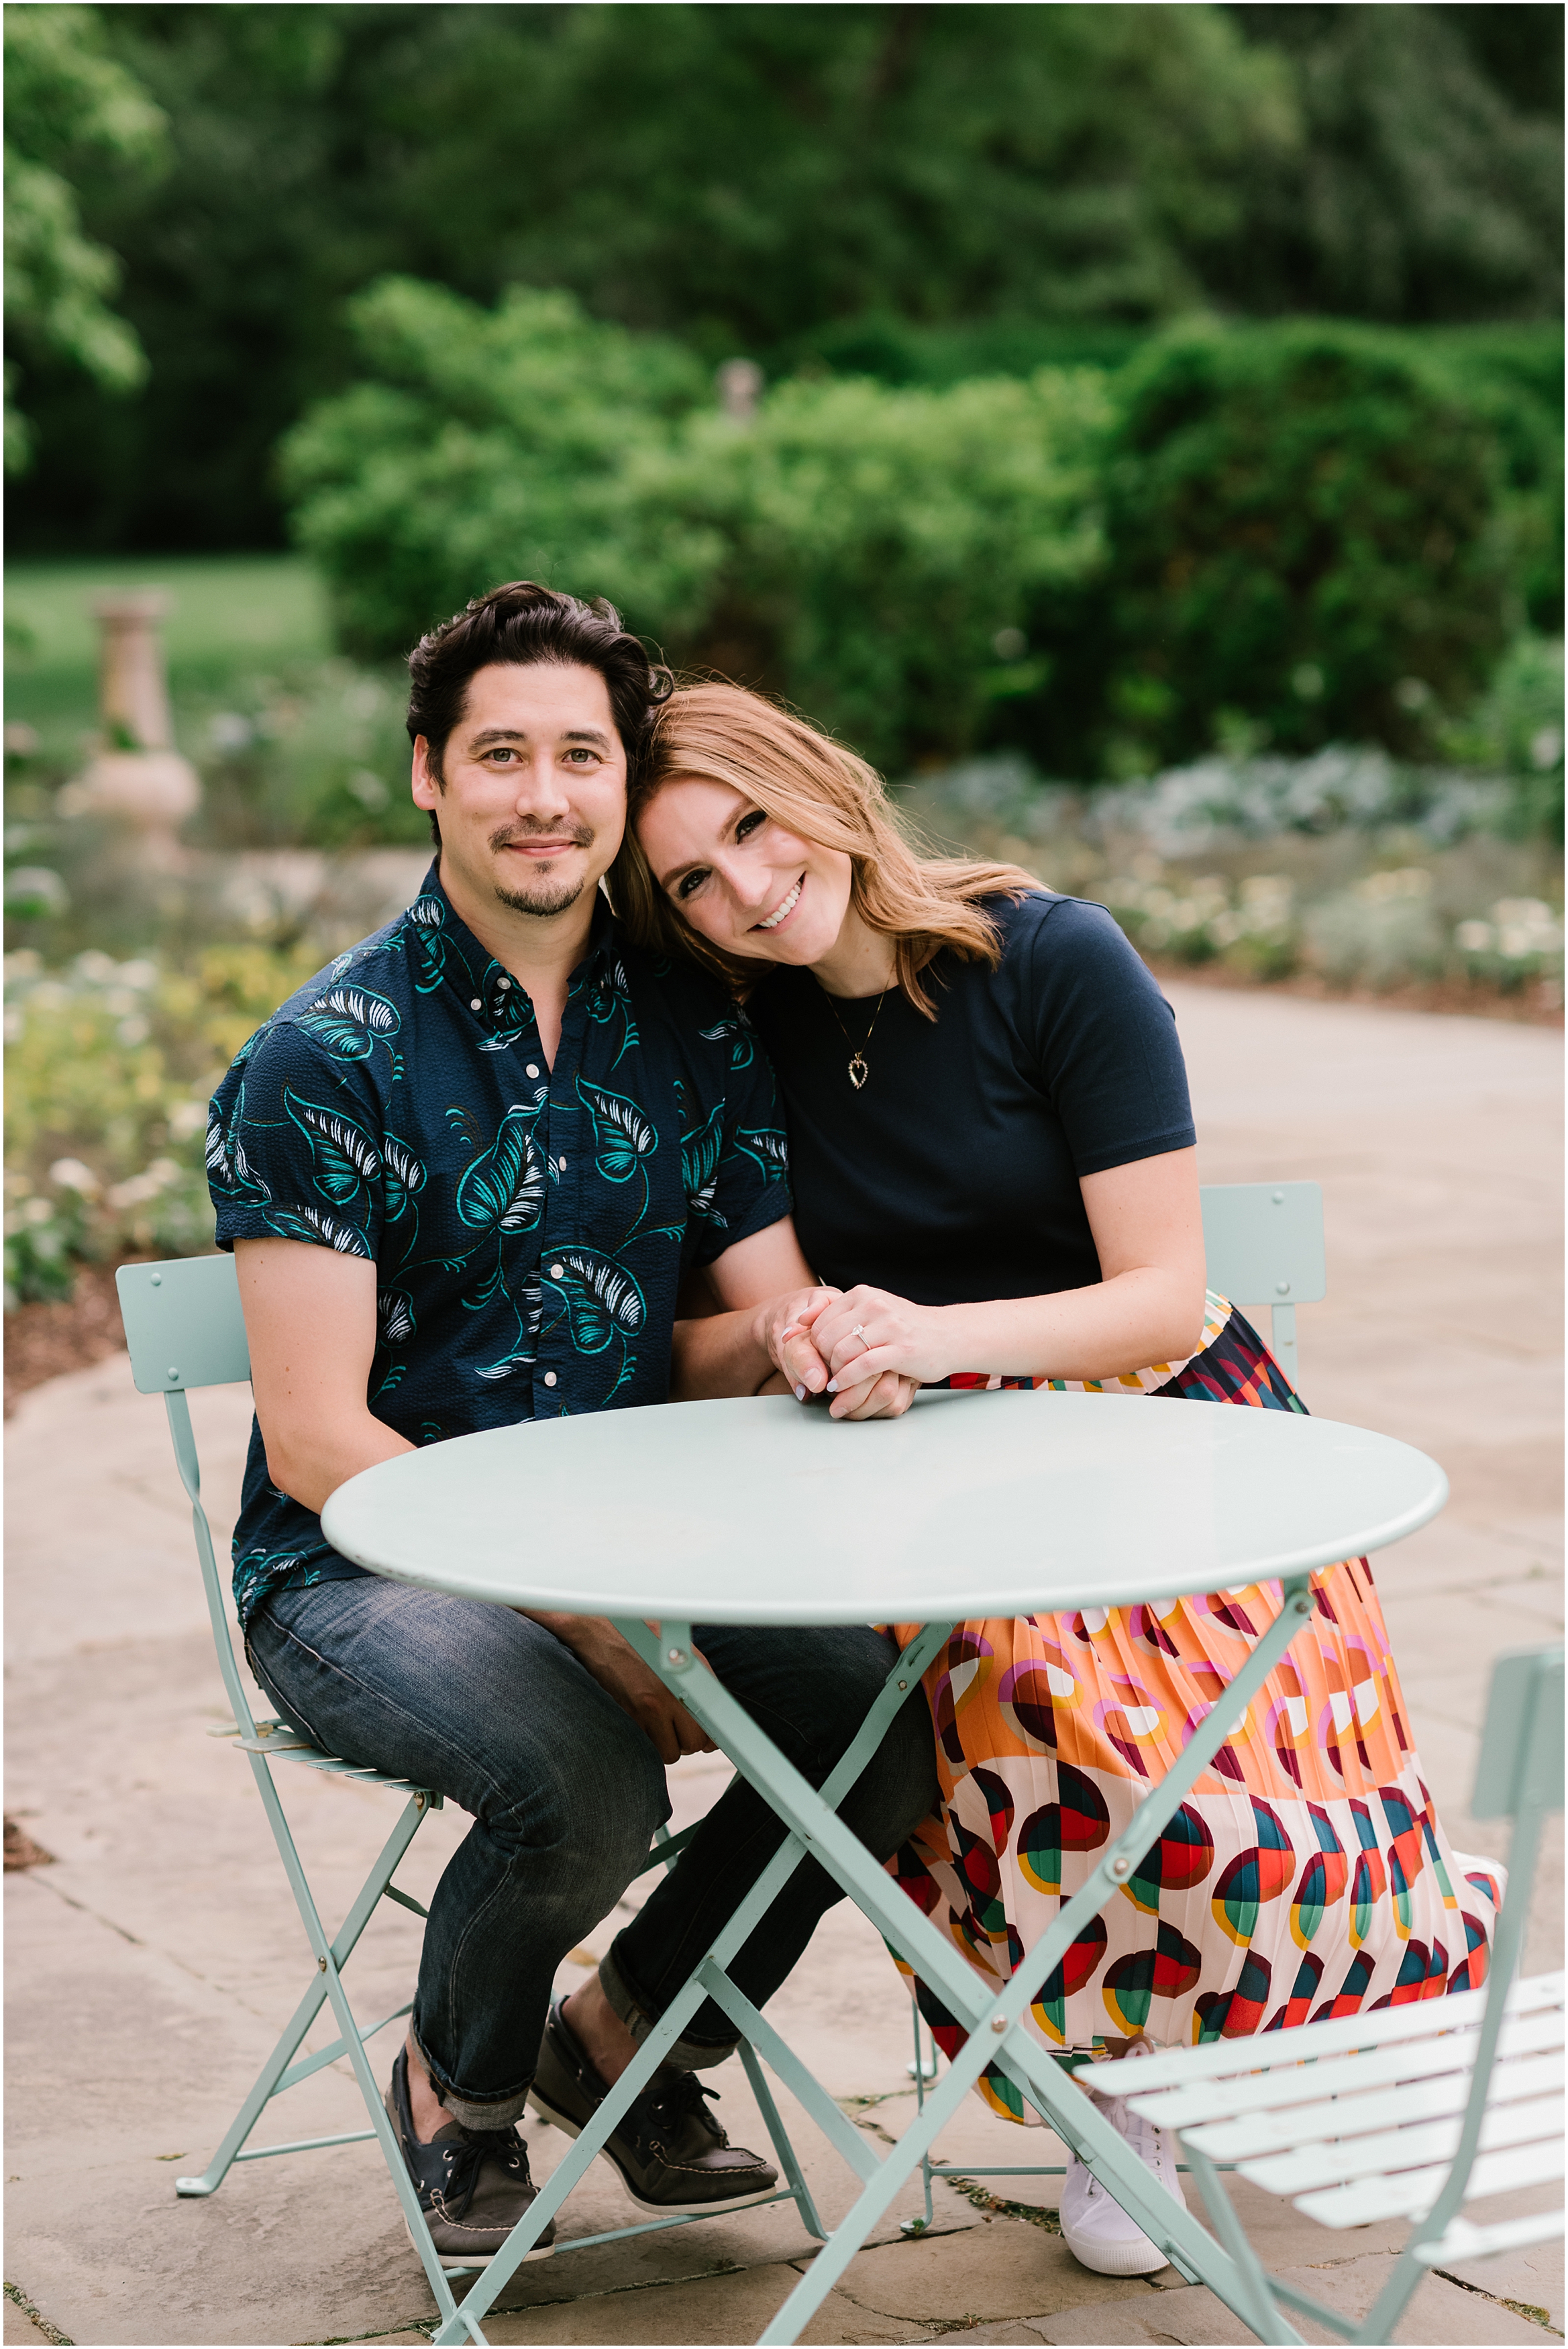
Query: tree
point(1429, 183)
point(67, 103)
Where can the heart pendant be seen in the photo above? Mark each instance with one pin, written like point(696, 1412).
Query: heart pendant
point(858, 1073)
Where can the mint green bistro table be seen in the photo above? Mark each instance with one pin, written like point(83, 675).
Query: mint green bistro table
point(972, 1504)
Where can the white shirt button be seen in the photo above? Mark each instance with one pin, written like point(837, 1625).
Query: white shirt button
point(550, 1378)
point(503, 982)
point(475, 1005)
point(532, 1069)
point(562, 1165)
point(556, 1270)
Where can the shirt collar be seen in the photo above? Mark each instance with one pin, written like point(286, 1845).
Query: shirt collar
point(453, 957)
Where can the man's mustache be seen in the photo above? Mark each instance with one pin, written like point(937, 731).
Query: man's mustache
point(579, 835)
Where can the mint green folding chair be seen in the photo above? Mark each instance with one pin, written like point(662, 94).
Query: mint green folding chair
point(1410, 2112)
point(1262, 1244)
point(184, 1329)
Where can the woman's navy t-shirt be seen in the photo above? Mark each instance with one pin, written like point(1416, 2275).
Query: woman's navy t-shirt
point(953, 1175)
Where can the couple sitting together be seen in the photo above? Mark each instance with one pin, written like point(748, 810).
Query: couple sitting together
point(778, 1107)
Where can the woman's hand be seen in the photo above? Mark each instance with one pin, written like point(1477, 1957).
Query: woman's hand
point(867, 1335)
point(788, 1328)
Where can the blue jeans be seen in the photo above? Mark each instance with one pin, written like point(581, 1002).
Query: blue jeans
point(565, 1791)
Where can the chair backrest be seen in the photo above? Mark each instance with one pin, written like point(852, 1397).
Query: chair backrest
point(184, 1329)
point(1520, 1763)
point(1262, 1243)
point(1519, 1776)
point(183, 1323)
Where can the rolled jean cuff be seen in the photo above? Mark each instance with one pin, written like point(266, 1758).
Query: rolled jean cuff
point(686, 2054)
point(488, 2113)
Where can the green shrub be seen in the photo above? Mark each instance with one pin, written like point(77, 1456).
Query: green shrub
point(872, 553)
point(1516, 730)
point(109, 1070)
point(1305, 529)
point(484, 446)
point(861, 549)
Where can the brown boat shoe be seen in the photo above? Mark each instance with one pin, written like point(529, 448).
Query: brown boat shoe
point(669, 2151)
point(473, 2184)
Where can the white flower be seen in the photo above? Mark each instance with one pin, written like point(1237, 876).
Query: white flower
point(72, 1175)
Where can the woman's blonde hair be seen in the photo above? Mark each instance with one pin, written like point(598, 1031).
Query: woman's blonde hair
point(823, 792)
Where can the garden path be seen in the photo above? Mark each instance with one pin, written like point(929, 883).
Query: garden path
point(150, 1963)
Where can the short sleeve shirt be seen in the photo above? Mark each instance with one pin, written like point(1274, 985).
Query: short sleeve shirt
point(529, 1225)
point(952, 1176)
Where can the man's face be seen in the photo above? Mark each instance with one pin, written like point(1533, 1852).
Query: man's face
point(535, 798)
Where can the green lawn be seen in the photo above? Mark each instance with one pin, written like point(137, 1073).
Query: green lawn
point(232, 616)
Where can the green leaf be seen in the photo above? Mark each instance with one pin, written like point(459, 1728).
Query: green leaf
point(621, 1133)
point(504, 1186)
point(602, 1300)
point(699, 1165)
point(350, 1021)
point(344, 1154)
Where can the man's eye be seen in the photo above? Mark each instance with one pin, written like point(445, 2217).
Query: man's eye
point(749, 823)
point(688, 885)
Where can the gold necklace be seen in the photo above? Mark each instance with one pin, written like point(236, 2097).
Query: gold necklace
point(859, 1072)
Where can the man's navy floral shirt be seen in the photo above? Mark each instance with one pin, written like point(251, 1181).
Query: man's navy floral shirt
point(529, 1225)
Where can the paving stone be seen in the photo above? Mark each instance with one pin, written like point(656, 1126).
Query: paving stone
point(20, 2327)
point(1532, 2278)
point(1002, 2268)
point(726, 2308)
point(1439, 2312)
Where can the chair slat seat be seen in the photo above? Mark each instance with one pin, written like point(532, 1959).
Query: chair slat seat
point(1403, 2103)
point(1462, 2239)
point(1410, 2193)
point(1240, 2058)
point(1303, 2082)
point(1308, 2167)
point(1396, 2113)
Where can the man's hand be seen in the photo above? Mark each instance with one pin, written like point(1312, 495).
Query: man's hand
point(637, 1689)
point(783, 1331)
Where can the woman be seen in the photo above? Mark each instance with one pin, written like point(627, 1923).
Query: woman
point(995, 1175)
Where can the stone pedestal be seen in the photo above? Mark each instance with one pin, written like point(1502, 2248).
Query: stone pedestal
point(138, 778)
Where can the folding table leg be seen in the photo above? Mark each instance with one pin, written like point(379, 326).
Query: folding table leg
point(900, 1680)
point(782, 2146)
point(807, 1812)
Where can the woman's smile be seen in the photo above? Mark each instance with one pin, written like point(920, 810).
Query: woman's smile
point(782, 911)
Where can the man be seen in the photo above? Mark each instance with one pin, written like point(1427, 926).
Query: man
point(463, 1172)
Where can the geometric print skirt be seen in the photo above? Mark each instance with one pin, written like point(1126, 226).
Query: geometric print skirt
point(1306, 1873)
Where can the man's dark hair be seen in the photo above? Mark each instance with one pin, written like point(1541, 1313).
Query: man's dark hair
point(526, 624)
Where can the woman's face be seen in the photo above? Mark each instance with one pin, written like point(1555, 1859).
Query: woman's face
point(737, 877)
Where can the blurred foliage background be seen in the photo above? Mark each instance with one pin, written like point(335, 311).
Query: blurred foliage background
point(1146, 446)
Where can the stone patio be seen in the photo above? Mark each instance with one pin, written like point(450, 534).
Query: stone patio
point(152, 1963)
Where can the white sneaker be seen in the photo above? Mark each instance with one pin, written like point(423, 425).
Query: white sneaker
point(1095, 2229)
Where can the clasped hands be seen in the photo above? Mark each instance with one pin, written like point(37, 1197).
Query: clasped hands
point(868, 1350)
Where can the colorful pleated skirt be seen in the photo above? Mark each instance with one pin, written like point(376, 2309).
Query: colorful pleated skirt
point(1306, 1875)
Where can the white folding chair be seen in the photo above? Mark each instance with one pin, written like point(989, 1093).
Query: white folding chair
point(1410, 2112)
point(185, 1328)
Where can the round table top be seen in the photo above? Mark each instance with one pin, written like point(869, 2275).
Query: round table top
point(763, 1511)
